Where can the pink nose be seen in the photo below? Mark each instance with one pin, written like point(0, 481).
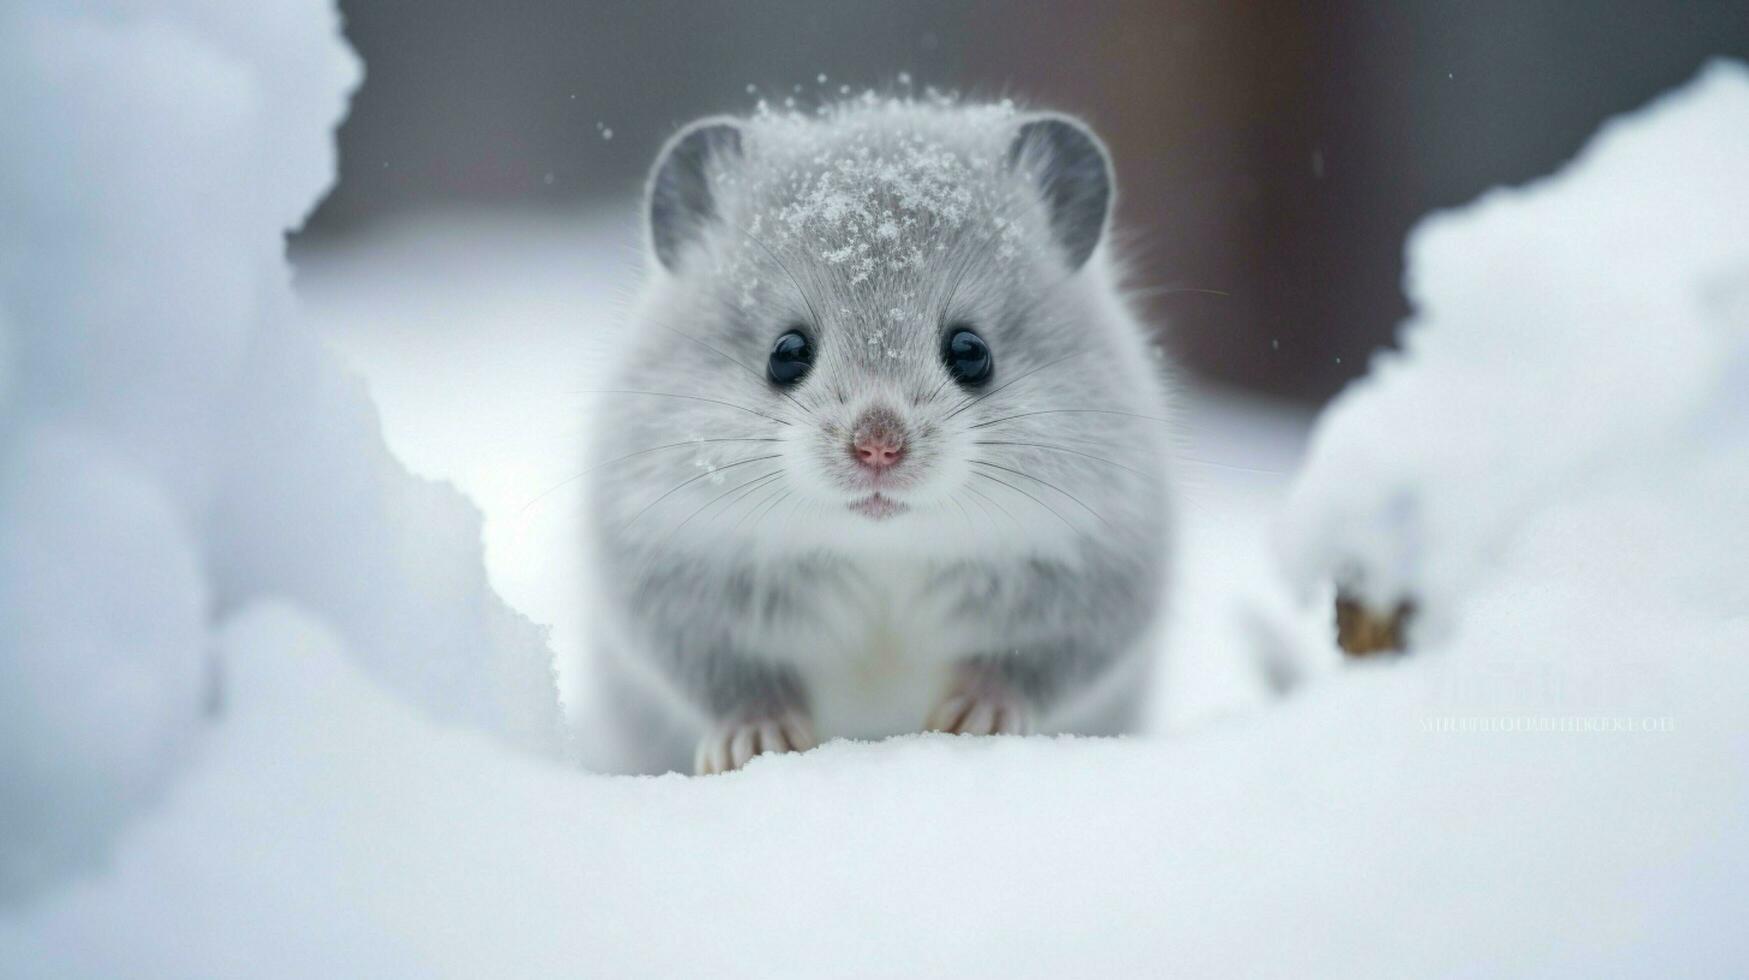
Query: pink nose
point(878, 441)
point(877, 453)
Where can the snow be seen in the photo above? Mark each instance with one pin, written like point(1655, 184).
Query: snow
point(1330, 835)
point(1567, 334)
point(901, 184)
point(175, 445)
point(481, 336)
point(105, 620)
point(261, 712)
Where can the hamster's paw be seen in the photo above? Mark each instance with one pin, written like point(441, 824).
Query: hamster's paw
point(981, 704)
point(733, 744)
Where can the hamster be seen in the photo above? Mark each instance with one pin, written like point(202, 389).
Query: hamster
point(885, 451)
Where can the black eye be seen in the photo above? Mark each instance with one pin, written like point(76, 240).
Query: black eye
point(967, 357)
point(790, 359)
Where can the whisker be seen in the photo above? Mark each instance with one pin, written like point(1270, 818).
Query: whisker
point(965, 266)
point(1030, 497)
point(984, 504)
point(969, 402)
point(743, 488)
point(1151, 292)
point(735, 361)
point(642, 452)
point(1060, 449)
point(1047, 483)
point(807, 301)
point(774, 489)
point(1071, 411)
point(693, 398)
point(757, 524)
point(962, 509)
point(694, 479)
point(1176, 456)
point(938, 388)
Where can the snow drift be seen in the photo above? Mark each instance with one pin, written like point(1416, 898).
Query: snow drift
point(1572, 338)
point(255, 667)
point(174, 445)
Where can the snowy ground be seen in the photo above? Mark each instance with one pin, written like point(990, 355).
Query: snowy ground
point(261, 713)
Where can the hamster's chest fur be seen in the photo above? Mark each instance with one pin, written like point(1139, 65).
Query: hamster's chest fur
point(874, 648)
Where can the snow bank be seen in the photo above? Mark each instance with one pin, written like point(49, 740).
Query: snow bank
point(480, 336)
point(173, 444)
point(1570, 336)
point(1333, 836)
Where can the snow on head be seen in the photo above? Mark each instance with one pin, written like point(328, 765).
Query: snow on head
point(174, 444)
point(875, 183)
point(1566, 333)
point(868, 191)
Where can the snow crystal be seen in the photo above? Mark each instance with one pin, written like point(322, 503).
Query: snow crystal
point(869, 184)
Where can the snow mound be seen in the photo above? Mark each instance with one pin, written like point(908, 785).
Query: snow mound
point(1334, 836)
point(173, 443)
point(1576, 334)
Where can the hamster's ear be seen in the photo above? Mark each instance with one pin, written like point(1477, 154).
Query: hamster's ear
point(1069, 166)
point(681, 199)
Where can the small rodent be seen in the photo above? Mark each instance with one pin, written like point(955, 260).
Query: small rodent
point(885, 453)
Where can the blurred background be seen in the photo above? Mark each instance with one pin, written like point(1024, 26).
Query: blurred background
point(1271, 156)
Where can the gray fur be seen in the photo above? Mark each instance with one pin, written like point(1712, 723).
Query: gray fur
point(1074, 174)
point(681, 203)
point(736, 583)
